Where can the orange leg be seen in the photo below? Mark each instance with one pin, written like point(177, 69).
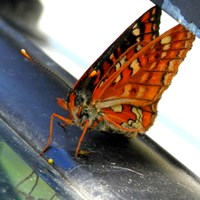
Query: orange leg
point(81, 138)
point(54, 115)
point(84, 132)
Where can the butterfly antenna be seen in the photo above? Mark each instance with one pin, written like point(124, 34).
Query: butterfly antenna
point(28, 56)
point(25, 54)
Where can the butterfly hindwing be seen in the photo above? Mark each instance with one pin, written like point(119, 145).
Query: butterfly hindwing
point(130, 120)
point(146, 28)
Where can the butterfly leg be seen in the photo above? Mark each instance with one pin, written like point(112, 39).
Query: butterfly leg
point(54, 115)
point(81, 138)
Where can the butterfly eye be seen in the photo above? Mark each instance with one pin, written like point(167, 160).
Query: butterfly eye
point(79, 100)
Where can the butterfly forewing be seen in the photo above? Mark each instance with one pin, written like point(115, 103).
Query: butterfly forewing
point(128, 97)
point(143, 77)
point(146, 28)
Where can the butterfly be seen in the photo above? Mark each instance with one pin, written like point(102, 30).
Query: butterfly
point(121, 90)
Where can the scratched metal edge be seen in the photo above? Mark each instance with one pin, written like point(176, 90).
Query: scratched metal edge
point(185, 12)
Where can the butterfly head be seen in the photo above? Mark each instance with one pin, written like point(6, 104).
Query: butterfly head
point(78, 103)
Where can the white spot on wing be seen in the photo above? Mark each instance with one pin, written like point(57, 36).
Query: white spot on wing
point(117, 108)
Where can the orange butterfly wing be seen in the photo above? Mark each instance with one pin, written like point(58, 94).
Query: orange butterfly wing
point(146, 28)
point(129, 92)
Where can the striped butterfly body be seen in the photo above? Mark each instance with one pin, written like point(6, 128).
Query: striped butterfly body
point(121, 90)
